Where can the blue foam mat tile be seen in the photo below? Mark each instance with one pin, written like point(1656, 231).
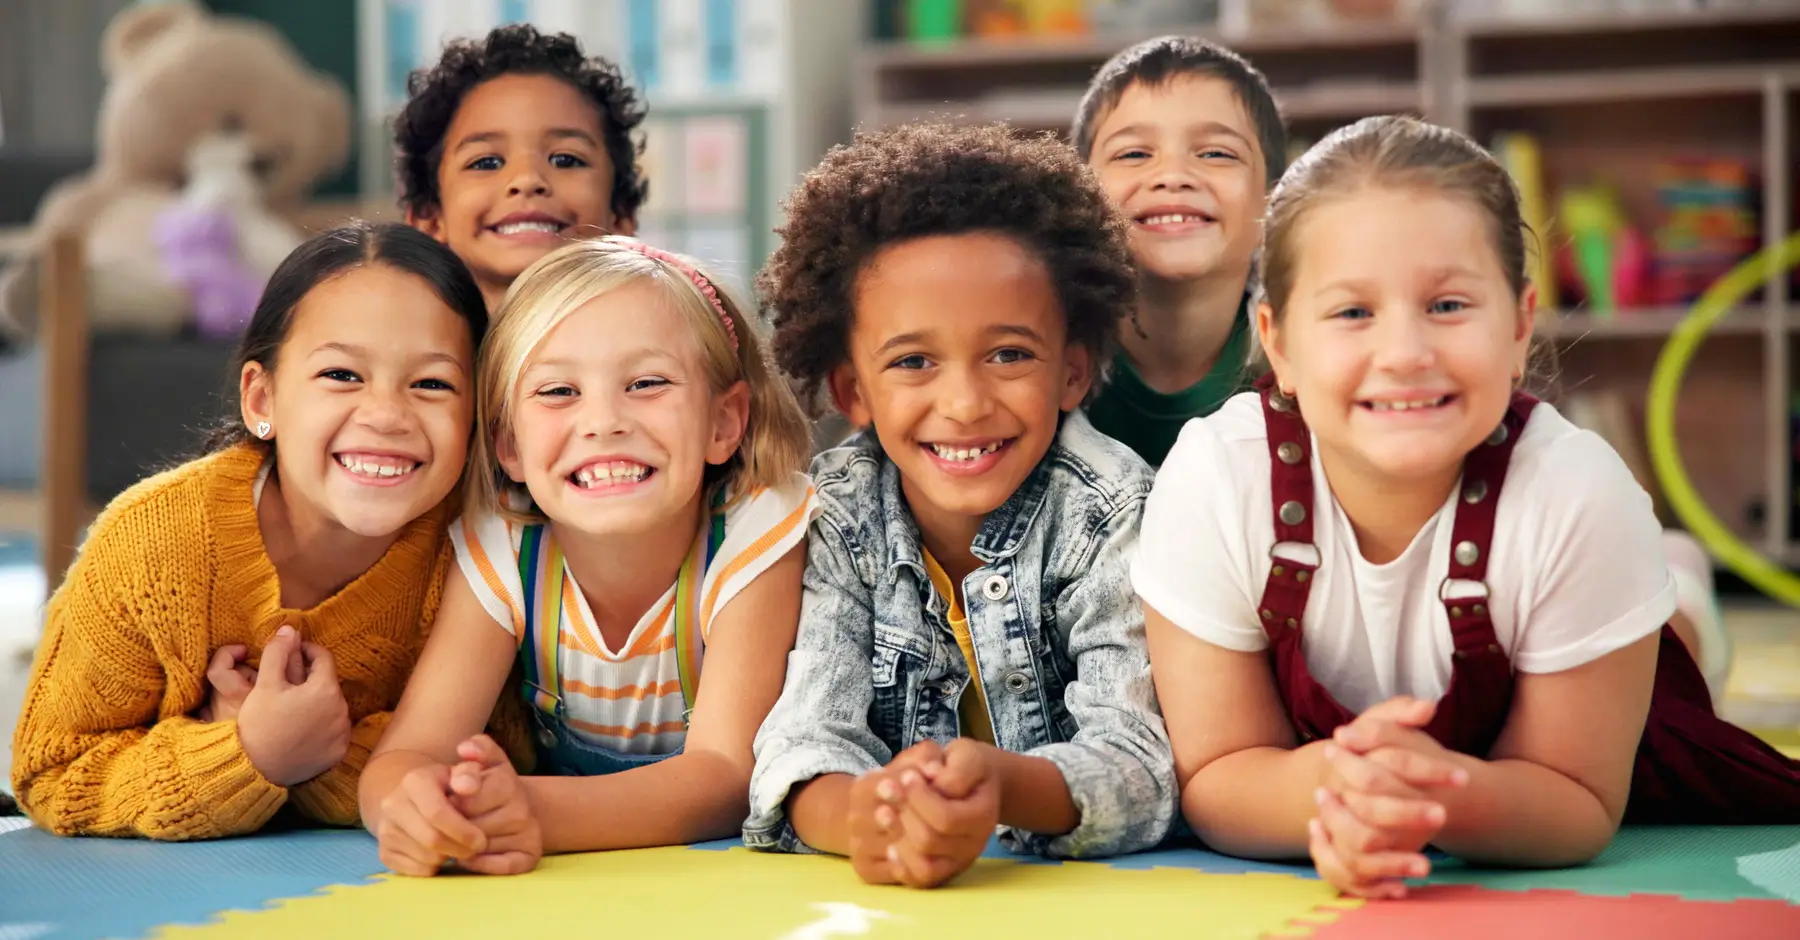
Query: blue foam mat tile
point(54, 888)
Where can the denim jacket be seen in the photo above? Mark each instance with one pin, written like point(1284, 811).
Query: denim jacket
point(1058, 636)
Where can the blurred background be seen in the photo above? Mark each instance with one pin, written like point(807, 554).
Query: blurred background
point(1656, 144)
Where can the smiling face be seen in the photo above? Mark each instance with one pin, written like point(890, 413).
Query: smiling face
point(524, 167)
point(959, 358)
point(1180, 160)
point(370, 402)
point(1401, 336)
point(614, 420)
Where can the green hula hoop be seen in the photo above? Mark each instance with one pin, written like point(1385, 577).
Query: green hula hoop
point(1659, 418)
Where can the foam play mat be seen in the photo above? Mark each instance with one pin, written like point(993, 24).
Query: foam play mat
point(1652, 883)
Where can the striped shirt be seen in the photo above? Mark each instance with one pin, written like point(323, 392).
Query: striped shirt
point(629, 699)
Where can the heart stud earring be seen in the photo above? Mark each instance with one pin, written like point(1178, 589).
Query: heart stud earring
point(262, 429)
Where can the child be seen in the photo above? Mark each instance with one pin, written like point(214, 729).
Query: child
point(511, 145)
point(635, 502)
point(1186, 140)
point(969, 654)
point(1480, 586)
point(291, 569)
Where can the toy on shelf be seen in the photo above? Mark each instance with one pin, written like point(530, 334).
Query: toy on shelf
point(1707, 224)
point(1524, 161)
point(997, 19)
point(1605, 258)
point(932, 20)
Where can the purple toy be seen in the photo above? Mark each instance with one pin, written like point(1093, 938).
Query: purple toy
point(198, 250)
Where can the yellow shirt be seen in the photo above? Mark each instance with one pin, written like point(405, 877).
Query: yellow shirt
point(973, 709)
point(174, 569)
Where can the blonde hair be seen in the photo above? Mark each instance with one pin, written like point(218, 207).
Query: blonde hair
point(776, 441)
point(1395, 151)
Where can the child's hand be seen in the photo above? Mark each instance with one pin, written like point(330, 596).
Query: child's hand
point(1389, 737)
point(1376, 814)
point(874, 823)
point(486, 791)
point(420, 829)
point(293, 732)
point(949, 815)
point(231, 681)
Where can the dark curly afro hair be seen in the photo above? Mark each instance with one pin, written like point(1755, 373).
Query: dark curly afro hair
point(925, 179)
point(434, 94)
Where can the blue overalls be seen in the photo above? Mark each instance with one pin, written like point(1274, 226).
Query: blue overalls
point(561, 751)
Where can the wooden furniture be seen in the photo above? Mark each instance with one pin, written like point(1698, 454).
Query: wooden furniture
point(1607, 95)
point(60, 508)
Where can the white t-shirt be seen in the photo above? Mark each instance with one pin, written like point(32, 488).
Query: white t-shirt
point(1576, 569)
point(629, 699)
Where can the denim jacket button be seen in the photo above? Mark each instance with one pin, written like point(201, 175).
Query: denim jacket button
point(994, 588)
point(1017, 683)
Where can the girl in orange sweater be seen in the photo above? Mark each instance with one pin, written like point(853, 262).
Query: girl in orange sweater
point(235, 631)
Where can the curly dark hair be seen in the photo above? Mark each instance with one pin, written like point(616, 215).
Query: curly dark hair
point(434, 94)
point(925, 179)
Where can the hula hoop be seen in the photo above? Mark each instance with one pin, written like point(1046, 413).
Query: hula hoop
point(1659, 417)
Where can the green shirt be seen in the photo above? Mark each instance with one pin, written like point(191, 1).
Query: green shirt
point(1149, 421)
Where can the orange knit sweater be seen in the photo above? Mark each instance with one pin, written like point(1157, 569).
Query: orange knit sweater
point(174, 569)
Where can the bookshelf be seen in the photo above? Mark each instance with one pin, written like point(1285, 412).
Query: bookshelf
point(1606, 95)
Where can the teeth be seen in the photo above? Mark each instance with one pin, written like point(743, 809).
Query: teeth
point(1407, 405)
point(514, 228)
point(1172, 219)
point(616, 471)
point(376, 466)
point(964, 453)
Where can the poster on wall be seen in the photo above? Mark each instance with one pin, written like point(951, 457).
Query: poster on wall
point(714, 165)
point(661, 138)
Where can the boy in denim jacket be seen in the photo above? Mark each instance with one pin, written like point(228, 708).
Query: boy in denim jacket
point(970, 654)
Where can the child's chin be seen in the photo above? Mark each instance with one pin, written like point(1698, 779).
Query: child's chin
point(375, 519)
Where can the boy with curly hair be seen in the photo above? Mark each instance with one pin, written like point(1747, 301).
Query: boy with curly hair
point(969, 654)
point(1186, 140)
point(512, 144)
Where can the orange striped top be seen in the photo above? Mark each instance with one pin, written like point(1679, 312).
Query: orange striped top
point(629, 699)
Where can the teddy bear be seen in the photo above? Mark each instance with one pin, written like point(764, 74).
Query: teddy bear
point(187, 92)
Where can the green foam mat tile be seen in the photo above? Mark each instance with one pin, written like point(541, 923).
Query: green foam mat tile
point(1694, 862)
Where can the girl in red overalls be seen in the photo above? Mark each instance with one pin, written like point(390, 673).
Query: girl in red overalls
point(1391, 600)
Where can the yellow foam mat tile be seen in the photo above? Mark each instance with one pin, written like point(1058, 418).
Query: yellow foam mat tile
point(684, 892)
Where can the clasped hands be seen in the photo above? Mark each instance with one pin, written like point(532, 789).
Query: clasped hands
point(925, 817)
point(1380, 799)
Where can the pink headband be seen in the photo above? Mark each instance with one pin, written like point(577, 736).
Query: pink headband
point(704, 286)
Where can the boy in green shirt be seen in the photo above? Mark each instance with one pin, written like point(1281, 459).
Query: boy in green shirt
point(1186, 140)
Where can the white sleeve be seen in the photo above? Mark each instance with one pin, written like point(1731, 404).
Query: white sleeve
point(760, 528)
point(1603, 581)
point(490, 563)
point(1192, 563)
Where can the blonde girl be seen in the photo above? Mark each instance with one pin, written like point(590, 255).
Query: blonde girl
point(1393, 601)
point(636, 512)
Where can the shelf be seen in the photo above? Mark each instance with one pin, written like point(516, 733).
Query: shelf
point(1608, 22)
point(976, 52)
point(1656, 322)
point(1056, 109)
point(1627, 85)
